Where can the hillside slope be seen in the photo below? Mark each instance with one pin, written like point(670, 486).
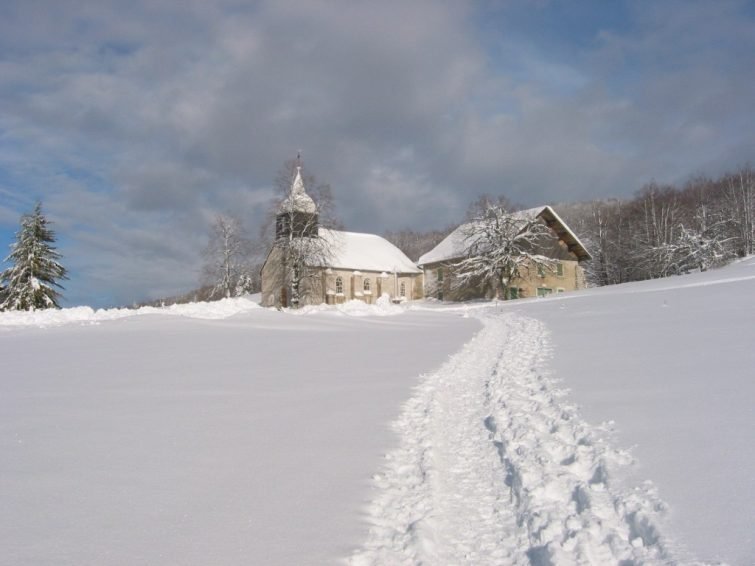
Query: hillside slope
point(516, 451)
point(672, 363)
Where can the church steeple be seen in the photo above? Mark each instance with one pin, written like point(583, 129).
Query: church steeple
point(297, 214)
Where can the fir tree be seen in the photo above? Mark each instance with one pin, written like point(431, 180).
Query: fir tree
point(31, 282)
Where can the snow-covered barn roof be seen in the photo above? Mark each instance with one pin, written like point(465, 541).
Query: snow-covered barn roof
point(365, 252)
point(565, 234)
point(455, 244)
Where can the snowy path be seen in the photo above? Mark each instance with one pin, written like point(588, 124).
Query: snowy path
point(494, 467)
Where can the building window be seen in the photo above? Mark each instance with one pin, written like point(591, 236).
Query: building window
point(543, 291)
point(366, 285)
point(560, 290)
point(439, 275)
point(560, 269)
point(282, 224)
point(540, 270)
point(339, 285)
point(513, 292)
point(402, 289)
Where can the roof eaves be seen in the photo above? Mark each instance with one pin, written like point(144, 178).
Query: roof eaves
point(573, 243)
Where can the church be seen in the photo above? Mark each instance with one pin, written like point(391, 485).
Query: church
point(310, 265)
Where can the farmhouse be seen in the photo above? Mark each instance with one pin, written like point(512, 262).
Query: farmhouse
point(560, 271)
point(309, 264)
point(332, 266)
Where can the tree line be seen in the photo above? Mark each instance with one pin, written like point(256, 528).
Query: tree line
point(667, 229)
point(663, 230)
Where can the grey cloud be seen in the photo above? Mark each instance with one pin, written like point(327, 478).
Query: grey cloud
point(163, 185)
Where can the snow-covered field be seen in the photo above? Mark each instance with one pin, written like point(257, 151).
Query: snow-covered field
point(231, 434)
point(672, 362)
point(166, 439)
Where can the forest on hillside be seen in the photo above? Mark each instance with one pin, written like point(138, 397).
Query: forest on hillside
point(662, 230)
point(666, 229)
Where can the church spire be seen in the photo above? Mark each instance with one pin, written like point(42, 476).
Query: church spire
point(297, 214)
point(298, 200)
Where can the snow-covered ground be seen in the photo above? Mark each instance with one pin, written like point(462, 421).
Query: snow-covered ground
point(256, 437)
point(498, 466)
point(672, 363)
point(163, 439)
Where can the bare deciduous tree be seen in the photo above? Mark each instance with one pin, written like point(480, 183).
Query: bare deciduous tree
point(739, 202)
point(500, 245)
point(666, 230)
point(227, 257)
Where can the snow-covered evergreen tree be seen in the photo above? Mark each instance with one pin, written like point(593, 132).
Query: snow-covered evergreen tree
point(32, 281)
point(246, 284)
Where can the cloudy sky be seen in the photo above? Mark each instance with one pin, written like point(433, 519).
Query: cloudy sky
point(136, 122)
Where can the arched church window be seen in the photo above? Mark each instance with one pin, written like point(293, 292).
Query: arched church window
point(339, 285)
point(366, 284)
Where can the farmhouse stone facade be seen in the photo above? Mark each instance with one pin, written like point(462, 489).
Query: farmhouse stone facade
point(563, 272)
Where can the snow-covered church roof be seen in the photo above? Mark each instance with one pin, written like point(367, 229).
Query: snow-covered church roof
point(365, 252)
point(455, 244)
point(298, 200)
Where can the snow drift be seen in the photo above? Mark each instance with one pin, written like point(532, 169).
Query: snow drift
point(57, 317)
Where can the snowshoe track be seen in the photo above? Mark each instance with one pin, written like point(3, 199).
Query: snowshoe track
point(494, 467)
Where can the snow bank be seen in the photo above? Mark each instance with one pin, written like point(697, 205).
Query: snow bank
point(382, 307)
point(57, 317)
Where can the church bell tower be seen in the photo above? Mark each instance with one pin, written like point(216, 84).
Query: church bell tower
point(297, 215)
